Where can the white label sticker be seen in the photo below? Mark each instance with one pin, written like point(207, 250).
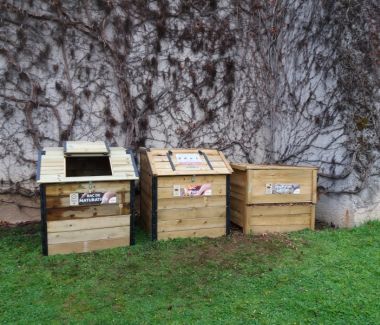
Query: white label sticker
point(74, 198)
point(192, 190)
point(188, 158)
point(282, 189)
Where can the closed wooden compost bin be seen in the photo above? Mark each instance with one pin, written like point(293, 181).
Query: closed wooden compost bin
point(87, 197)
point(273, 198)
point(184, 193)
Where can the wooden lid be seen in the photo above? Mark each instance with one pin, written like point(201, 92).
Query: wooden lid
point(51, 166)
point(171, 162)
point(245, 166)
point(84, 148)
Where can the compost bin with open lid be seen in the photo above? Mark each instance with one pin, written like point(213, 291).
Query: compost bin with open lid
point(87, 197)
point(184, 192)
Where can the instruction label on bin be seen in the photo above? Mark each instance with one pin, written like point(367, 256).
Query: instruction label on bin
point(93, 198)
point(192, 190)
point(282, 188)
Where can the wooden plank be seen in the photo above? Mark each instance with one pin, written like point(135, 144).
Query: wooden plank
point(237, 218)
point(65, 189)
point(169, 181)
point(312, 218)
point(239, 196)
point(281, 220)
point(174, 214)
point(164, 158)
point(273, 210)
point(190, 202)
point(157, 151)
point(226, 162)
point(209, 232)
point(271, 229)
point(88, 234)
point(245, 166)
point(167, 192)
point(189, 224)
point(74, 147)
point(92, 223)
point(258, 179)
point(82, 212)
point(64, 201)
point(314, 186)
point(87, 246)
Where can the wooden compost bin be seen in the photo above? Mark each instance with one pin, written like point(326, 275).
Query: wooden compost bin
point(87, 197)
point(184, 193)
point(273, 198)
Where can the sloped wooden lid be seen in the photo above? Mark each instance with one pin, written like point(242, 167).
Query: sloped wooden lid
point(244, 166)
point(51, 166)
point(85, 148)
point(167, 162)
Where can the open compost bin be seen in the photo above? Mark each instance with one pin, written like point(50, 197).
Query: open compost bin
point(87, 197)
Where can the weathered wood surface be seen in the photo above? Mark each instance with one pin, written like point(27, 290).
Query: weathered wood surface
point(89, 223)
point(88, 234)
point(206, 232)
point(87, 246)
point(159, 164)
point(81, 212)
point(82, 187)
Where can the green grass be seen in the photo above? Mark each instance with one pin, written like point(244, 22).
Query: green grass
point(324, 277)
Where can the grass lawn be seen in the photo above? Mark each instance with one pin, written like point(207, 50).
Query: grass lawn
point(323, 277)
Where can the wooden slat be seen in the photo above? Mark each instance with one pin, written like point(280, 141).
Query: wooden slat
point(189, 213)
point(190, 202)
point(82, 212)
point(208, 232)
point(74, 147)
point(65, 189)
point(245, 166)
point(282, 228)
point(64, 201)
point(167, 192)
point(189, 224)
point(169, 181)
point(237, 218)
point(88, 234)
point(92, 223)
point(87, 246)
point(281, 220)
point(273, 209)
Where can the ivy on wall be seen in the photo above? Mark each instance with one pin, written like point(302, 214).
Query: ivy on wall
point(292, 82)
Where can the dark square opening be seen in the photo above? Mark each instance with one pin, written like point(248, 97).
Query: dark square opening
point(88, 166)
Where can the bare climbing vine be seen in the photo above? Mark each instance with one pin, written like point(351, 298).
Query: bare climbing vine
point(292, 82)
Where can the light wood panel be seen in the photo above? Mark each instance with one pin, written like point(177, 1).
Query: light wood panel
point(189, 213)
point(207, 232)
point(169, 181)
point(160, 166)
point(87, 246)
point(88, 234)
point(94, 211)
point(258, 179)
point(187, 224)
point(190, 202)
point(92, 223)
point(167, 192)
point(67, 188)
point(276, 228)
point(64, 201)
